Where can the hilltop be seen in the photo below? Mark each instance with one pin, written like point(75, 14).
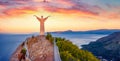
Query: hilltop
point(35, 48)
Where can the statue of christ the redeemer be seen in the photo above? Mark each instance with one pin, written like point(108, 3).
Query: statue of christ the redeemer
point(42, 20)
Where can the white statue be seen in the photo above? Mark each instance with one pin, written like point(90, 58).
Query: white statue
point(42, 20)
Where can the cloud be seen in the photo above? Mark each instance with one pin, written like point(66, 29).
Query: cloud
point(113, 15)
point(73, 7)
point(68, 11)
point(4, 3)
point(12, 2)
point(112, 12)
point(14, 7)
point(18, 11)
point(2, 6)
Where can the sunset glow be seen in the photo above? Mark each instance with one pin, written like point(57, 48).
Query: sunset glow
point(16, 16)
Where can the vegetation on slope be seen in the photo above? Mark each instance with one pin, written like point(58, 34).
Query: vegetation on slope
point(49, 37)
point(70, 52)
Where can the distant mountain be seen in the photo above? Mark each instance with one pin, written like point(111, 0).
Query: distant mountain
point(108, 47)
point(99, 31)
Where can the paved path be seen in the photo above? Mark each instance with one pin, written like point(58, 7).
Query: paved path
point(56, 53)
point(27, 53)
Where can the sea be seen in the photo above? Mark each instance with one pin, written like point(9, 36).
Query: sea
point(9, 42)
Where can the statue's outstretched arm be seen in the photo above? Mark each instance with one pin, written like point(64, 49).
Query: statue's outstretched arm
point(37, 17)
point(46, 18)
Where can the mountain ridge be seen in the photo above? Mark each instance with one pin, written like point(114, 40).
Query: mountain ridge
point(108, 47)
point(98, 31)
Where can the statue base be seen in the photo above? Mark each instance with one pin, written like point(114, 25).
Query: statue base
point(42, 37)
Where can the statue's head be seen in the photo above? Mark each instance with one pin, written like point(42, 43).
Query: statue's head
point(41, 16)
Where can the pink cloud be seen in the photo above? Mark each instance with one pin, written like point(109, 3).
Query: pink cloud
point(19, 11)
point(14, 7)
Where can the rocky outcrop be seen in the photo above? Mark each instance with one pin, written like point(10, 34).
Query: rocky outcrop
point(39, 49)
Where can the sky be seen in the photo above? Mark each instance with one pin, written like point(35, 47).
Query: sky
point(16, 16)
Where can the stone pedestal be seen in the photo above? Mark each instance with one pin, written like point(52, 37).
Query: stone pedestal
point(42, 37)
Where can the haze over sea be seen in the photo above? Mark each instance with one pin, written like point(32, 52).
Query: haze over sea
point(9, 42)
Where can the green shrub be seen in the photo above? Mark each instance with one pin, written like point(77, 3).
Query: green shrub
point(70, 52)
point(49, 37)
point(23, 51)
